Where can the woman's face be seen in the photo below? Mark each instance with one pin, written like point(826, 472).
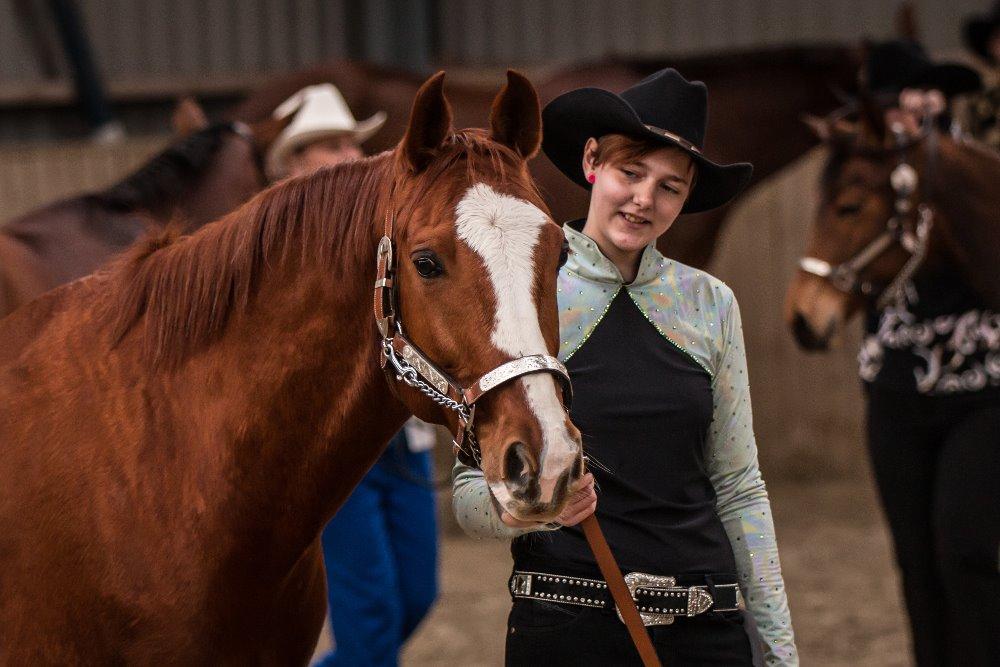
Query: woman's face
point(633, 203)
point(323, 153)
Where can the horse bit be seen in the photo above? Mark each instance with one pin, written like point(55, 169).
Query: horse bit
point(401, 358)
point(903, 179)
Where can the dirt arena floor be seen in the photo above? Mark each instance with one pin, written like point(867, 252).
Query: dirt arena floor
point(842, 585)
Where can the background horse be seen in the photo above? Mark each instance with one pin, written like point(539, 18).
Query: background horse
point(194, 181)
point(956, 180)
point(909, 228)
point(745, 124)
point(177, 430)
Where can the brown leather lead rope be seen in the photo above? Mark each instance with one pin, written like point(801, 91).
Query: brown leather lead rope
point(619, 591)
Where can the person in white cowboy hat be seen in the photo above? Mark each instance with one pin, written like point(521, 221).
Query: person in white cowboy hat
point(380, 550)
point(323, 132)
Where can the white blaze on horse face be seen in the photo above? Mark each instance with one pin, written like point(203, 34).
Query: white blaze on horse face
point(504, 232)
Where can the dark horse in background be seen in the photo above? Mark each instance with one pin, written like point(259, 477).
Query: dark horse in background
point(757, 99)
point(957, 182)
point(194, 180)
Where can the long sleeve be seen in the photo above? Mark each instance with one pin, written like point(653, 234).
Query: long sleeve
point(742, 502)
point(474, 508)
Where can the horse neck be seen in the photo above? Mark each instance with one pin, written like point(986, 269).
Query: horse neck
point(965, 200)
point(293, 392)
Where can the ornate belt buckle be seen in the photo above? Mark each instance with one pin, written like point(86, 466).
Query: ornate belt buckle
point(675, 601)
point(654, 615)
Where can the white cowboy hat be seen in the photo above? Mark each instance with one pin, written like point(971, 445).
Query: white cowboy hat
point(321, 112)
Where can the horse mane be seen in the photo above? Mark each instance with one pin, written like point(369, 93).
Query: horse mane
point(185, 289)
point(167, 176)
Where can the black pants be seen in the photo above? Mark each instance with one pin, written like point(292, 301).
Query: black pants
point(937, 465)
point(551, 634)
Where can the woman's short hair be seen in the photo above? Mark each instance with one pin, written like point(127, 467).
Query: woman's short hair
point(618, 149)
point(615, 149)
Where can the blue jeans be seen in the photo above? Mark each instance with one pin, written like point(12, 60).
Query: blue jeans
point(381, 560)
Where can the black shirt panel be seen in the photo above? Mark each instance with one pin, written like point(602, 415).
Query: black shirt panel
point(644, 408)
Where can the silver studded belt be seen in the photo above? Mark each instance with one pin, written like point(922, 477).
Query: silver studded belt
point(658, 598)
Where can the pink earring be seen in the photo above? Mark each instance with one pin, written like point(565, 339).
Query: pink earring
point(591, 178)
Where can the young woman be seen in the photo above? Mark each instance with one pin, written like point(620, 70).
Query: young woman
point(655, 352)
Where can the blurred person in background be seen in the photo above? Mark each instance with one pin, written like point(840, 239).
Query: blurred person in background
point(931, 410)
point(380, 550)
point(655, 352)
point(981, 119)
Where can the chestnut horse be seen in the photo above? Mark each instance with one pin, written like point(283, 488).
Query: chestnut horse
point(177, 430)
point(894, 204)
point(758, 97)
point(197, 179)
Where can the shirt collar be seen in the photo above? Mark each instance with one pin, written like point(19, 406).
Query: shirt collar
point(587, 261)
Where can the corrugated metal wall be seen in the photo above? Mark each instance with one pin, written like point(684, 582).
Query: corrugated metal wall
point(194, 39)
point(136, 39)
point(527, 31)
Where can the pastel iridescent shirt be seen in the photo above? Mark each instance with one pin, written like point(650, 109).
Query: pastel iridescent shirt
point(698, 314)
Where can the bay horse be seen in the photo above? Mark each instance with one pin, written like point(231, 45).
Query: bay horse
point(894, 205)
point(193, 181)
point(757, 99)
point(177, 429)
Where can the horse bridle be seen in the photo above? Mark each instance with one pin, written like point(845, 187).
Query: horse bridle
point(846, 276)
point(403, 361)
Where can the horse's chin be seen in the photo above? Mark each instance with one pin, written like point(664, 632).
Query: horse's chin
point(816, 314)
point(526, 511)
point(812, 339)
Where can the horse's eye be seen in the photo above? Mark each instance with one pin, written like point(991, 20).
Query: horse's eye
point(428, 265)
point(848, 209)
point(564, 253)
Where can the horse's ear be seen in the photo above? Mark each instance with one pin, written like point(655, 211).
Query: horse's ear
point(267, 130)
point(188, 117)
point(819, 126)
point(516, 117)
point(907, 25)
point(872, 116)
point(429, 125)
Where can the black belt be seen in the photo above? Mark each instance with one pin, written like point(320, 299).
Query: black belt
point(658, 598)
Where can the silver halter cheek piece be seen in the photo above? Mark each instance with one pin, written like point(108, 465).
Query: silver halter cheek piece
point(845, 276)
point(404, 362)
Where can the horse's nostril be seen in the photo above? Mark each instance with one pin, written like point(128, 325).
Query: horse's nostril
point(516, 466)
point(520, 474)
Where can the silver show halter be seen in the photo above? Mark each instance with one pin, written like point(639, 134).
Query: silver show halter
point(846, 276)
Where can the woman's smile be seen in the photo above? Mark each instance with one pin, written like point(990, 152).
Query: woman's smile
point(634, 221)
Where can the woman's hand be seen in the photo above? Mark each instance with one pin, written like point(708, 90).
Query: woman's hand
point(582, 504)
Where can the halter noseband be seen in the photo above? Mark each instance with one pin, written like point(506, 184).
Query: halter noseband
point(404, 362)
point(903, 180)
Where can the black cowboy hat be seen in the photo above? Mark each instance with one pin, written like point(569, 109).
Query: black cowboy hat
point(979, 28)
point(898, 64)
point(662, 108)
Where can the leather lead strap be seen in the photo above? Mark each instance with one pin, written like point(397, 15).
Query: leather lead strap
point(619, 591)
